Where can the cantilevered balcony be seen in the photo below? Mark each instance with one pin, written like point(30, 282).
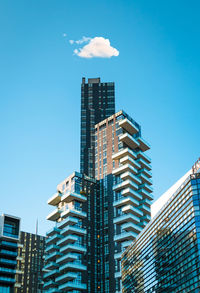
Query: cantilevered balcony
point(124, 168)
point(132, 210)
point(70, 196)
point(146, 210)
point(130, 141)
point(72, 212)
point(130, 176)
point(132, 193)
point(128, 126)
point(142, 155)
point(69, 286)
point(118, 275)
point(49, 284)
point(147, 187)
point(145, 172)
point(145, 194)
point(118, 255)
point(73, 230)
point(144, 164)
point(66, 258)
point(53, 239)
point(66, 277)
point(55, 199)
point(77, 248)
point(125, 184)
point(125, 244)
point(124, 152)
point(144, 145)
point(126, 218)
point(54, 216)
point(67, 239)
point(52, 256)
point(125, 201)
point(73, 266)
point(132, 227)
point(51, 265)
point(131, 161)
point(145, 179)
point(53, 231)
point(125, 236)
point(50, 273)
point(51, 248)
point(66, 222)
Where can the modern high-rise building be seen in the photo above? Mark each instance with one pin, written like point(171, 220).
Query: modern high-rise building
point(9, 237)
point(97, 103)
point(71, 250)
point(101, 210)
point(29, 270)
point(123, 169)
point(165, 257)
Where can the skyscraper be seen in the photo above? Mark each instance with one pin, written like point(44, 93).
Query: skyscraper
point(165, 257)
point(9, 237)
point(97, 103)
point(123, 169)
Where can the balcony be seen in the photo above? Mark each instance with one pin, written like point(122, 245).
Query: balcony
point(130, 141)
point(52, 256)
point(129, 160)
point(51, 273)
point(73, 266)
point(54, 216)
point(144, 145)
point(49, 284)
point(146, 173)
point(73, 230)
point(53, 239)
point(145, 209)
point(66, 277)
point(73, 248)
point(124, 168)
point(125, 184)
point(118, 275)
point(70, 196)
point(69, 257)
point(147, 187)
point(51, 248)
point(124, 152)
point(74, 213)
point(132, 210)
point(144, 164)
point(125, 201)
point(132, 227)
point(125, 244)
point(66, 240)
point(55, 199)
point(132, 193)
point(50, 266)
point(142, 155)
point(145, 194)
point(128, 126)
point(53, 231)
point(145, 179)
point(126, 218)
point(132, 177)
point(125, 236)
point(66, 222)
point(72, 286)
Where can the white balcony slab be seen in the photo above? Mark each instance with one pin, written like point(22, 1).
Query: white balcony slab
point(124, 152)
point(55, 199)
point(127, 125)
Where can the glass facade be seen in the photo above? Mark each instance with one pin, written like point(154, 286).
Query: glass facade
point(165, 257)
point(97, 103)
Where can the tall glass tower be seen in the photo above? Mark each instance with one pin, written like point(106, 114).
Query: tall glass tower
point(97, 104)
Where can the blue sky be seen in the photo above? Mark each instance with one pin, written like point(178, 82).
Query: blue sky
point(157, 77)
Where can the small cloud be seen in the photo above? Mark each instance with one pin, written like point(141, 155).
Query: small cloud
point(98, 47)
point(71, 42)
point(83, 40)
point(64, 35)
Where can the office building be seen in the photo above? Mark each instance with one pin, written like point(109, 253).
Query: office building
point(97, 103)
point(29, 270)
point(71, 251)
point(123, 170)
point(9, 237)
point(165, 257)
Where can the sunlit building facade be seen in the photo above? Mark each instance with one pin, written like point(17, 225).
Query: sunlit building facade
point(165, 257)
point(9, 238)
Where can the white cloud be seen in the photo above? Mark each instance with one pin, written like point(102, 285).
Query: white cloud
point(97, 47)
point(71, 42)
point(81, 41)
